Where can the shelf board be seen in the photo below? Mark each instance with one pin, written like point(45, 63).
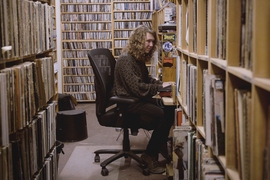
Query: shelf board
point(203, 57)
point(222, 161)
point(77, 75)
point(116, 11)
point(81, 3)
point(194, 55)
point(77, 84)
point(75, 58)
point(76, 50)
point(86, 12)
point(201, 131)
point(81, 92)
point(219, 62)
point(184, 107)
point(30, 56)
point(131, 1)
point(120, 38)
point(107, 30)
point(242, 73)
point(86, 40)
point(262, 83)
point(179, 48)
point(131, 20)
point(123, 29)
point(184, 51)
point(233, 173)
point(70, 67)
point(63, 22)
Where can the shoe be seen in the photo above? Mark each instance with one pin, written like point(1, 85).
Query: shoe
point(152, 163)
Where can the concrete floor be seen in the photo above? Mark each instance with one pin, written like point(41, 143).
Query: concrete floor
point(102, 137)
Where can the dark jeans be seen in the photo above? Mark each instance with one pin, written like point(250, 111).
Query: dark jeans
point(154, 116)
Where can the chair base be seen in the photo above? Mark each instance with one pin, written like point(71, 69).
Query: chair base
point(118, 154)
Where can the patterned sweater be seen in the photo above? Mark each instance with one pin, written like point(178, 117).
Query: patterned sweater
point(131, 78)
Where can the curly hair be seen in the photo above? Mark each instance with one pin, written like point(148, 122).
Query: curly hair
point(136, 42)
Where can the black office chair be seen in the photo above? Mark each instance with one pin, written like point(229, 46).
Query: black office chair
point(103, 63)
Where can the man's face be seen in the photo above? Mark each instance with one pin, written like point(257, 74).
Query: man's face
point(149, 42)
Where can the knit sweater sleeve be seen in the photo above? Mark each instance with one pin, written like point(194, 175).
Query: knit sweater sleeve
point(131, 79)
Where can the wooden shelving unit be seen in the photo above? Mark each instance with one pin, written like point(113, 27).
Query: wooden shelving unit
point(54, 49)
point(160, 16)
point(85, 25)
point(127, 15)
point(213, 36)
point(95, 24)
point(28, 96)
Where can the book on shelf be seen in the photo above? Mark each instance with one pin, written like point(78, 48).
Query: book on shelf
point(30, 27)
point(191, 154)
point(206, 27)
point(6, 27)
point(221, 10)
point(30, 98)
point(23, 26)
point(187, 26)
point(17, 159)
point(10, 95)
point(50, 125)
point(1, 161)
point(237, 133)
point(45, 79)
point(179, 29)
point(178, 75)
point(25, 40)
point(16, 28)
point(31, 147)
point(6, 168)
point(191, 91)
point(19, 96)
point(218, 124)
point(211, 169)
point(35, 143)
point(184, 82)
point(198, 154)
point(178, 116)
point(195, 26)
point(242, 118)
point(188, 89)
point(181, 154)
point(1, 30)
point(44, 145)
point(246, 34)
point(266, 174)
point(208, 111)
point(247, 129)
point(4, 130)
point(193, 100)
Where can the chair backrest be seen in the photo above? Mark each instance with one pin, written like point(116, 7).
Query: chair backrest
point(103, 63)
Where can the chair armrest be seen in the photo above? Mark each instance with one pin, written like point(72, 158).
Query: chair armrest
point(122, 104)
point(123, 100)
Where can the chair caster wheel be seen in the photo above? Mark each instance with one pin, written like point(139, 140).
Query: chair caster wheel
point(104, 172)
point(97, 158)
point(146, 172)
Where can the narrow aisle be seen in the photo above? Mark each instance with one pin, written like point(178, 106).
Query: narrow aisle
point(78, 160)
